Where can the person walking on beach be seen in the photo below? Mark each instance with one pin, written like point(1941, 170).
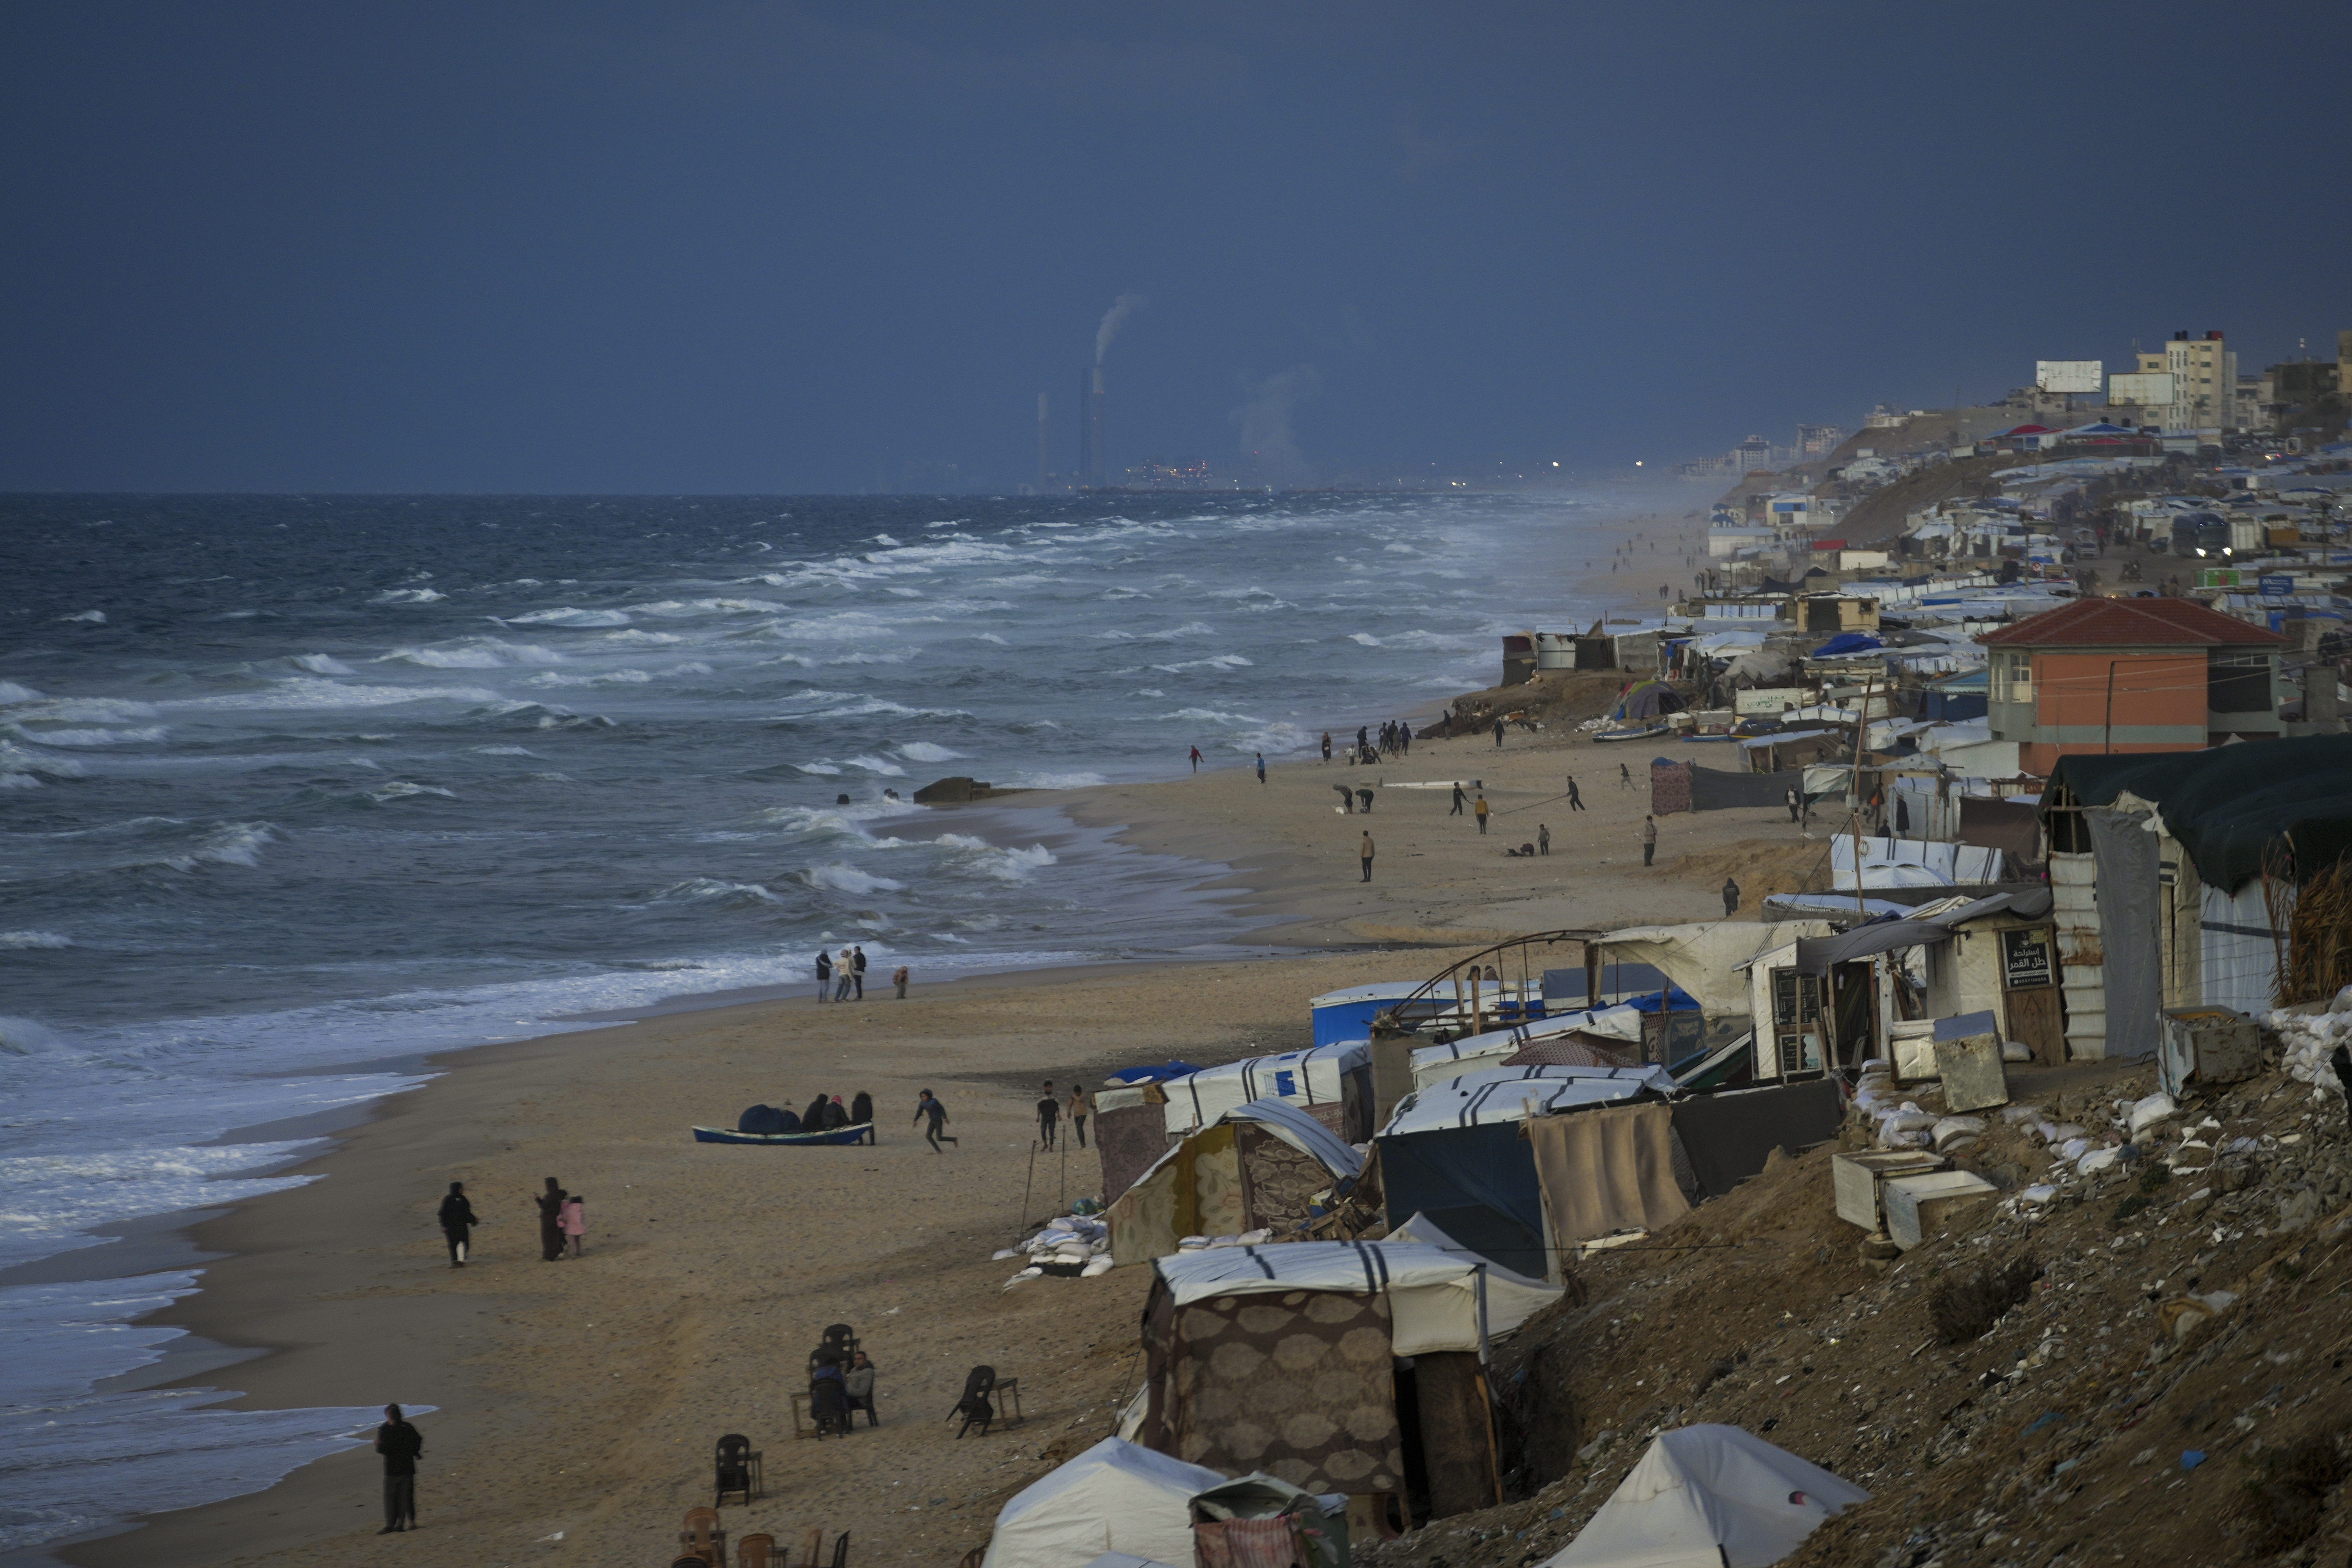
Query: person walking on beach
point(1543, 839)
point(1730, 898)
point(858, 969)
point(1081, 1107)
point(928, 1105)
point(1624, 777)
point(1481, 808)
point(400, 1445)
point(457, 1223)
point(1792, 803)
point(1499, 732)
point(899, 979)
point(550, 1221)
point(1196, 758)
point(1459, 800)
point(845, 974)
point(575, 1221)
point(1326, 745)
point(1364, 852)
point(1404, 737)
point(1261, 767)
point(1049, 1113)
point(1649, 838)
point(1575, 795)
point(823, 972)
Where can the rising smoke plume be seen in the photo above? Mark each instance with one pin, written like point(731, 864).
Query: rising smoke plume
point(1115, 318)
point(1263, 422)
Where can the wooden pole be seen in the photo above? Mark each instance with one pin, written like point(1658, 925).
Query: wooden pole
point(1861, 730)
point(1028, 1188)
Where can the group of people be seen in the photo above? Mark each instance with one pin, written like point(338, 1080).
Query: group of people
point(1051, 1107)
point(847, 975)
point(563, 1222)
point(1395, 739)
point(851, 1383)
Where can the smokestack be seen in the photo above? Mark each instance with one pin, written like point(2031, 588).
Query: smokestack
point(1045, 450)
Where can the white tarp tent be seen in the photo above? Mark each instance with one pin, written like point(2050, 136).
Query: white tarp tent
point(1509, 1093)
point(1303, 1078)
point(1701, 957)
point(1435, 1064)
point(1708, 1496)
point(1912, 863)
point(1438, 1300)
point(1116, 1497)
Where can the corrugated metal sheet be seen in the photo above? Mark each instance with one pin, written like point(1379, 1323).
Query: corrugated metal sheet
point(2082, 958)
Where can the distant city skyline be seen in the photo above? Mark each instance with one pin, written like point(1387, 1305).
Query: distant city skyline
point(795, 247)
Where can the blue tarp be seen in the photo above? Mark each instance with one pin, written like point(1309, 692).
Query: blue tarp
point(1846, 642)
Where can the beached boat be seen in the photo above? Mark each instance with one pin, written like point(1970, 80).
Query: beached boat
point(1633, 734)
point(856, 1132)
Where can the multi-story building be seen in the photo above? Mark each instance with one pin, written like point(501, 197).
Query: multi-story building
point(2204, 384)
point(1812, 441)
point(2102, 676)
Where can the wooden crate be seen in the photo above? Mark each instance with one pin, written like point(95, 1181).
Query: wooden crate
point(1919, 1207)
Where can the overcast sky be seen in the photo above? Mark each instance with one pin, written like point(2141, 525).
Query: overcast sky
point(765, 247)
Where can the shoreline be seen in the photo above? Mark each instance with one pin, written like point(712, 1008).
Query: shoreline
point(1276, 893)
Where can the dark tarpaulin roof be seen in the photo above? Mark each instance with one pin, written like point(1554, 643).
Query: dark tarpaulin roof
point(1816, 954)
point(2230, 807)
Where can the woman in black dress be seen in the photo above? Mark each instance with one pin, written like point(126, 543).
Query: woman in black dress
point(457, 1223)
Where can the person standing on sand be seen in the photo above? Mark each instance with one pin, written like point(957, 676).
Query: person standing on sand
point(1196, 758)
point(401, 1445)
point(1459, 799)
point(1730, 898)
point(1049, 1113)
point(858, 969)
point(1364, 852)
point(1624, 777)
point(1649, 838)
point(899, 979)
point(845, 974)
point(1499, 732)
point(823, 972)
point(1543, 839)
point(1575, 796)
point(1792, 798)
point(1404, 737)
point(1481, 808)
point(925, 1105)
point(575, 1221)
point(1261, 767)
point(1326, 745)
point(457, 1223)
point(1081, 1107)
point(550, 1221)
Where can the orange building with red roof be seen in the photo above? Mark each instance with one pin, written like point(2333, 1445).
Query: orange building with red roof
point(2108, 675)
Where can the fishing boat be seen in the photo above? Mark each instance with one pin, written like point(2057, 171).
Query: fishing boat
point(1633, 734)
point(856, 1132)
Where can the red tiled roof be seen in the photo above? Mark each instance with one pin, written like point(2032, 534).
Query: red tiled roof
point(2133, 623)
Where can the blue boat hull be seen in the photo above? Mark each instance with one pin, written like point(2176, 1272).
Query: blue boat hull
point(857, 1134)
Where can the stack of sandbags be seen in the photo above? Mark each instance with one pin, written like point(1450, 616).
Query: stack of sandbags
point(2310, 1040)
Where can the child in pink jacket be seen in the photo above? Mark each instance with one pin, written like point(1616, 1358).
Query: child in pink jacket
point(574, 1220)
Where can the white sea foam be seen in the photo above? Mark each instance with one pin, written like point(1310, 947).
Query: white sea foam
point(846, 878)
point(11, 692)
point(1053, 781)
point(568, 616)
point(319, 663)
point(143, 735)
point(1222, 661)
point(306, 693)
point(29, 939)
point(925, 751)
point(401, 789)
point(86, 617)
point(606, 678)
point(1367, 639)
point(481, 653)
point(718, 887)
point(818, 767)
point(505, 751)
point(408, 596)
point(638, 637)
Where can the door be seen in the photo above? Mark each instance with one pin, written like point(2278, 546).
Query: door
point(2034, 1016)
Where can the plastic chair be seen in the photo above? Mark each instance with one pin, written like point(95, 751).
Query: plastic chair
point(736, 1469)
point(978, 1385)
point(828, 1406)
point(756, 1551)
point(704, 1539)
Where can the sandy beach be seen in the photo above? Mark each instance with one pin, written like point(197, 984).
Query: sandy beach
point(577, 1403)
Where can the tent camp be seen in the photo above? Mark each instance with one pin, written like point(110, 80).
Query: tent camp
point(1436, 1063)
point(1290, 1360)
point(1453, 1153)
point(1115, 1496)
point(1333, 1083)
point(1258, 1166)
point(1709, 1496)
point(1343, 1015)
point(1701, 957)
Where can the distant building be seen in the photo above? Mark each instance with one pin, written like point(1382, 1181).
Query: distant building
point(1753, 452)
point(1816, 440)
point(2102, 676)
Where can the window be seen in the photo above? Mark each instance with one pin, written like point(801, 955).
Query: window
point(2012, 678)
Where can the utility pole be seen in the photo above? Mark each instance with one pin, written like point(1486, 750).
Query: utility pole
point(1861, 729)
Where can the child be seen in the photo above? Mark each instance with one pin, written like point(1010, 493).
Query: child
point(575, 1220)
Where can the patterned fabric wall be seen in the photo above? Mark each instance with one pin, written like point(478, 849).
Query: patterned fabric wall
point(1299, 1385)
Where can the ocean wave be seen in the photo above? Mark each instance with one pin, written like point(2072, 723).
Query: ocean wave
point(505, 751)
point(84, 711)
point(827, 768)
point(1053, 781)
point(401, 789)
point(482, 653)
point(924, 752)
point(1367, 639)
point(711, 607)
point(1207, 716)
point(881, 705)
point(10, 692)
point(608, 677)
point(33, 939)
point(1222, 661)
point(636, 636)
point(843, 877)
point(408, 596)
point(228, 844)
point(568, 616)
point(86, 617)
point(145, 736)
point(841, 821)
point(1006, 864)
point(21, 769)
point(300, 692)
point(25, 1038)
point(861, 657)
point(719, 889)
point(885, 540)
point(319, 663)
point(990, 636)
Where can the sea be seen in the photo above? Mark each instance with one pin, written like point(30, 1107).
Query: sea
point(294, 790)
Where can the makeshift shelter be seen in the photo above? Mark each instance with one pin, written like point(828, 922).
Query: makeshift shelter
point(1912, 863)
point(1708, 1497)
point(1287, 1360)
point(1332, 1083)
point(1453, 1151)
point(1647, 699)
point(1437, 1063)
point(1728, 1136)
point(1702, 958)
point(1343, 1015)
point(1130, 1133)
point(1259, 1166)
point(1115, 1496)
point(1609, 1169)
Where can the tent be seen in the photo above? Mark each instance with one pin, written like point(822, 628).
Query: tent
point(1436, 1064)
point(1702, 957)
point(1115, 1496)
point(1846, 643)
point(1333, 1082)
point(1290, 1360)
point(1343, 1015)
point(1647, 699)
point(1258, 1166)
point(1709, 1496)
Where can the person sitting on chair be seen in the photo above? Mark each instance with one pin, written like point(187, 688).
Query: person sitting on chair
point(858, 1384)
point(828, 1393)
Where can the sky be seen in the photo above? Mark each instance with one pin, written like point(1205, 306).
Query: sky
point(747, 245)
